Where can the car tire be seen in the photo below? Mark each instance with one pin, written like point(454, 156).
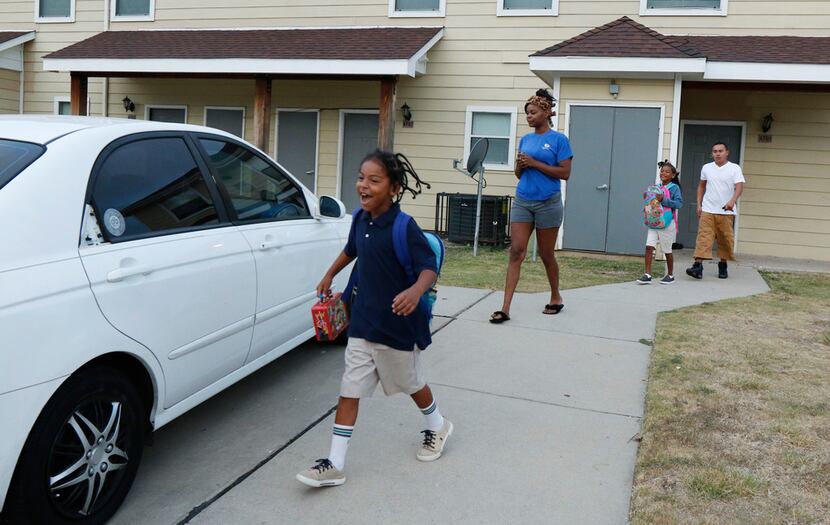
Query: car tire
point(82, 454)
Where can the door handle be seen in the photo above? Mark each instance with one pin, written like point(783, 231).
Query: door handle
point(602, 187)
point(119, 274)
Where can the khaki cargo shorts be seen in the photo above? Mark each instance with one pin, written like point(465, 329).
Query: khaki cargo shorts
point(368, 364)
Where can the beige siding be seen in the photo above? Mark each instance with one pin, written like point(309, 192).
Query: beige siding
point(784, 209)
point(9, 91)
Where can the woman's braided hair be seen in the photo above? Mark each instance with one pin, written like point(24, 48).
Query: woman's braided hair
point(399, 170)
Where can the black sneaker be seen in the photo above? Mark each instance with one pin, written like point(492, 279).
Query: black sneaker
point(696, 270)
point(722, 273)
point(645, 279)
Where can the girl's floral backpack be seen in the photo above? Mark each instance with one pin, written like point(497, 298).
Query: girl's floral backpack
point(657, 216)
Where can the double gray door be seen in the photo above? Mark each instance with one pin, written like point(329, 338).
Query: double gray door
point(615, 159)
point(297, 145)
point(360, 137)
point(697, 151)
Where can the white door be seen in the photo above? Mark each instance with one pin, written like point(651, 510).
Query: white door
point(291, 248)
point(170, 274)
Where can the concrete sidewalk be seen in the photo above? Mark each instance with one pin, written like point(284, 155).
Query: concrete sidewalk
point(544, 407)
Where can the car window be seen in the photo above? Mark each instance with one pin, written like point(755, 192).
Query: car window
point(151, 186)
point(256, 188)
point(15, 156)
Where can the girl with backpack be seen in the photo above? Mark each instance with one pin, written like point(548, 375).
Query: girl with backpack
point(670, 198)
point(389, 319)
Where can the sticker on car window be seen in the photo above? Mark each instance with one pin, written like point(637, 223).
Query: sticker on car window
point(114, 222)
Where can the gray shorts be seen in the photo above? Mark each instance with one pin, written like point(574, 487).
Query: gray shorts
point(544, 214)
point(368, 364)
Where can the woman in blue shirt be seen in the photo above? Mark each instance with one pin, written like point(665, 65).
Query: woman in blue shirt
point(544, 161)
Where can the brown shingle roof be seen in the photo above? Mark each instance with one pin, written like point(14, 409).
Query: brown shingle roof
point(333, 44)
point(621, 38)
point(770, 49)
point(626, 38)
point(5, 36)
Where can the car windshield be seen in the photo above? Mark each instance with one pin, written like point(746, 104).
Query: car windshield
point(15, 156)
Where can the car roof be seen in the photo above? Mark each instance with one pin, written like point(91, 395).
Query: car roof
point(42, 129)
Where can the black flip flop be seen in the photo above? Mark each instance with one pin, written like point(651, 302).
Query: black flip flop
point(499, 317)
point(553, 309)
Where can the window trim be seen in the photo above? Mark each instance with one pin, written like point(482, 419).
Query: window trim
point(683, 11)
point(132, 18)
point(441, 13)
point(229, 108)
point(148, 107)
point(227, 202)
point(57, 100)
point(511, 148)
point(553, 11)
point(219, 203)
point(55, 19)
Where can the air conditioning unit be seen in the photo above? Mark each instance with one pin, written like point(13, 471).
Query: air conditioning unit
point(456, 213)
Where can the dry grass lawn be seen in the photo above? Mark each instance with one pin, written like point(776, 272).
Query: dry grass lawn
point(737, 424)
point(576, 270)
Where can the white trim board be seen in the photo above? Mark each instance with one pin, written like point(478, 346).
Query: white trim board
point(731, 123)
point(316, 148)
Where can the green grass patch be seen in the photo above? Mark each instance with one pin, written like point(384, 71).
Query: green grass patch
point(487, 269)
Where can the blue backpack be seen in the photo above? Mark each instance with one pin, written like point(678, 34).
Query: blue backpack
point(401, 246)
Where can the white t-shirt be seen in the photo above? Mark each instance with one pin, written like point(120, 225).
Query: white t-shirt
point(720, 186)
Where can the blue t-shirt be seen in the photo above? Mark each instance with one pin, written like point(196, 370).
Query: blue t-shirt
point(380, 277)
point(551, 148)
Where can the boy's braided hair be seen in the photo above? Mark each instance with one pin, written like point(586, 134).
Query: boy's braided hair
point(399, 170)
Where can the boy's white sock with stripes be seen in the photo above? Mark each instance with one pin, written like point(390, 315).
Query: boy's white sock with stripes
point(434, 418)
point(340, 435)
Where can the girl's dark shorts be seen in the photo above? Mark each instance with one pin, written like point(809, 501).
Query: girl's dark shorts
point(543, 214)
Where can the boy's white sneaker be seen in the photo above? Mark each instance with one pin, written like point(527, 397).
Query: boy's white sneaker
point(323, 474)
point(434, 442)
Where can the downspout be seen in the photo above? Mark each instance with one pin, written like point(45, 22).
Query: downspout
point(105, 87)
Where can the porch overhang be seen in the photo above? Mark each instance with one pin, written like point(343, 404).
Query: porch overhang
point(386, 51)
point(11, 48)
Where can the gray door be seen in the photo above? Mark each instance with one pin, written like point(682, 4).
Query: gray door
point(360, 137)
point(615, 159)
point(697, 151)
point(297, 145)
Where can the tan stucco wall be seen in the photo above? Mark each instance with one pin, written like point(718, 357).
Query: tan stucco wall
point(9, 91)
point(784, 210)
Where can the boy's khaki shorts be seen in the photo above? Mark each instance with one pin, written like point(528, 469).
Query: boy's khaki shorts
point(368, 363)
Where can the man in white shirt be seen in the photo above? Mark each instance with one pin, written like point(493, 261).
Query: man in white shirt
point(721, 185)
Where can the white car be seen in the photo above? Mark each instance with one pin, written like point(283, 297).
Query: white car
point(144, 267)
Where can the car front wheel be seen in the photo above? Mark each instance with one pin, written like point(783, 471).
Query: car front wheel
point(83, 452)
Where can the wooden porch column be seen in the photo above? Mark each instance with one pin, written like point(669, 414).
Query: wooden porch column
point(262, 113)
point(386, 113)
point(78, 93)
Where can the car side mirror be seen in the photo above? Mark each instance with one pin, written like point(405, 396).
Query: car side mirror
point(331, 207)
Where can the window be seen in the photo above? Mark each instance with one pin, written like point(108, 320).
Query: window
point(527, 7)
point(231, 120)
point(257, 190)
point(498, 124)
point(132, 9)
point(55, 11)
point(683, 7)
point(417, 8)
point(176, 114)
point(151, 186)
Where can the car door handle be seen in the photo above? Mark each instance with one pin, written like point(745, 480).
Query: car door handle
point(602, 187)
point(119, 274)
point(268, 245)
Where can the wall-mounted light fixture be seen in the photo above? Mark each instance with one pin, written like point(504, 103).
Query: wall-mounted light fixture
point(406, 113)
point(129, 105)
point(614, 89)
point(766, 122)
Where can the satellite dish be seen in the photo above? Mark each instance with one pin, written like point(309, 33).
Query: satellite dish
point(475, 162)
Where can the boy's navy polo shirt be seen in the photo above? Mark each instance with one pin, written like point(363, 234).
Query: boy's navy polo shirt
point(380, 277)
